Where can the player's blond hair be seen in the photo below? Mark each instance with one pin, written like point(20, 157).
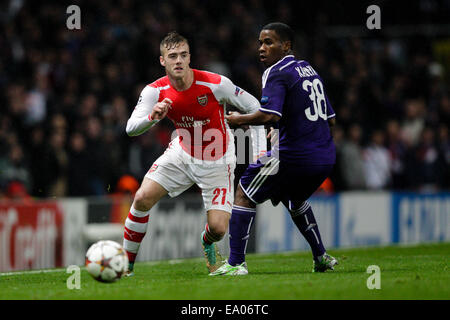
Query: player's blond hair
point(172, 40)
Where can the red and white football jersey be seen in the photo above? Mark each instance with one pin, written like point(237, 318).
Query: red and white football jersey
point(198, 113)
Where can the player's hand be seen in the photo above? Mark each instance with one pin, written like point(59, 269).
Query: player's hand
point(161, 109)
point(233, 118)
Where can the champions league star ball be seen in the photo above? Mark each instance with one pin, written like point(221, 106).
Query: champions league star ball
point(106, 261)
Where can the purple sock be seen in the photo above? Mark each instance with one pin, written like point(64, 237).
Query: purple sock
point(303, 218)
point(239, 230)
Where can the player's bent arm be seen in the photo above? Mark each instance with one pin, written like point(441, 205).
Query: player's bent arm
point(256, 118)
point(140, 120)
point(138, 126)
point(247, 103)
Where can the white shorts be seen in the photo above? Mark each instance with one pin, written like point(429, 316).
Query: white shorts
point(176, 171)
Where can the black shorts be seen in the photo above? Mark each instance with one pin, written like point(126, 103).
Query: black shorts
point(270, 178)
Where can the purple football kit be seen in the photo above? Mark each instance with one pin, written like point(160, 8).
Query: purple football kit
point(295, 167)
point(298, 164)
point(305, 154)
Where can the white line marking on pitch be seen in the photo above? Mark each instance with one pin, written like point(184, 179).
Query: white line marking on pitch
point(18, 273)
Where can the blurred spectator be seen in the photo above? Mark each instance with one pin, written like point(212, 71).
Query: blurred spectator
point(58, 187)
point(337, 177)
point(444, 153)
point(214, 64)
point(398, 152)
point(115, 164)
point(88, 107)
point(14, 167)
point(444, 108)
point(377, 162)
point(36, 100)
point(414, 122)
point(425, 171)
point(44, 170)
point(97, 156)
point(351, 159)
point(79, 167)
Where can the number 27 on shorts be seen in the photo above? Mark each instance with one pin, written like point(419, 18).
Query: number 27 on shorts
point(217, 193)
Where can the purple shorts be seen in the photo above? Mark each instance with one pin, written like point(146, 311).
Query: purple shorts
point(270, 178)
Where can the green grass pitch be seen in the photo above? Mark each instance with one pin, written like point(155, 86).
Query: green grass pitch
point(412, 272)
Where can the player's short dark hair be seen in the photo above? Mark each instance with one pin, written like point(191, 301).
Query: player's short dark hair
point(282, 30)
point(172, 40)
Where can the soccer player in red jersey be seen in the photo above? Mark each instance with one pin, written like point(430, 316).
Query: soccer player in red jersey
point(203, 151)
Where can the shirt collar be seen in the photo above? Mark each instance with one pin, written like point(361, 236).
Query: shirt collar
point(288, 56)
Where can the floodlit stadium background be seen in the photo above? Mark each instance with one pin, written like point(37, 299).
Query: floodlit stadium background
point(68, 170)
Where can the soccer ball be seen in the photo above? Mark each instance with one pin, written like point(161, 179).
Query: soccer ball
point(106, 261)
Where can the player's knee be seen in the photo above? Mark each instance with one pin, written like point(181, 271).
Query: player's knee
point(218, 224)
point(143, 200)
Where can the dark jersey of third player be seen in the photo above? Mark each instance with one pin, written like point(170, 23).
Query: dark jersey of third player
point(293, 90)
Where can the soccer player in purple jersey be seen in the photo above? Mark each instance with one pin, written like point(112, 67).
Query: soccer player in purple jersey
point(294, 100)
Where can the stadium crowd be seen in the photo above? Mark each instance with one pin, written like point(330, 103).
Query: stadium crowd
point(66, 95)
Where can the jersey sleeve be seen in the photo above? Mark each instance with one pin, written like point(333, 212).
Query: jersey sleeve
point(273, 93)
point(229, 93)
point(140, 121)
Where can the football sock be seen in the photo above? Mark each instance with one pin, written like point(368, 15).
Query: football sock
point(134, 231)
point(209, 237)
point(303, 218)
point(239, 230)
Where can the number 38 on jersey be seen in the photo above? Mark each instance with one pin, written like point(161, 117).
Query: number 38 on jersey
point(317, 96)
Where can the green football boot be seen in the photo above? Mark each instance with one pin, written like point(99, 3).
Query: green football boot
point(213, 258)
